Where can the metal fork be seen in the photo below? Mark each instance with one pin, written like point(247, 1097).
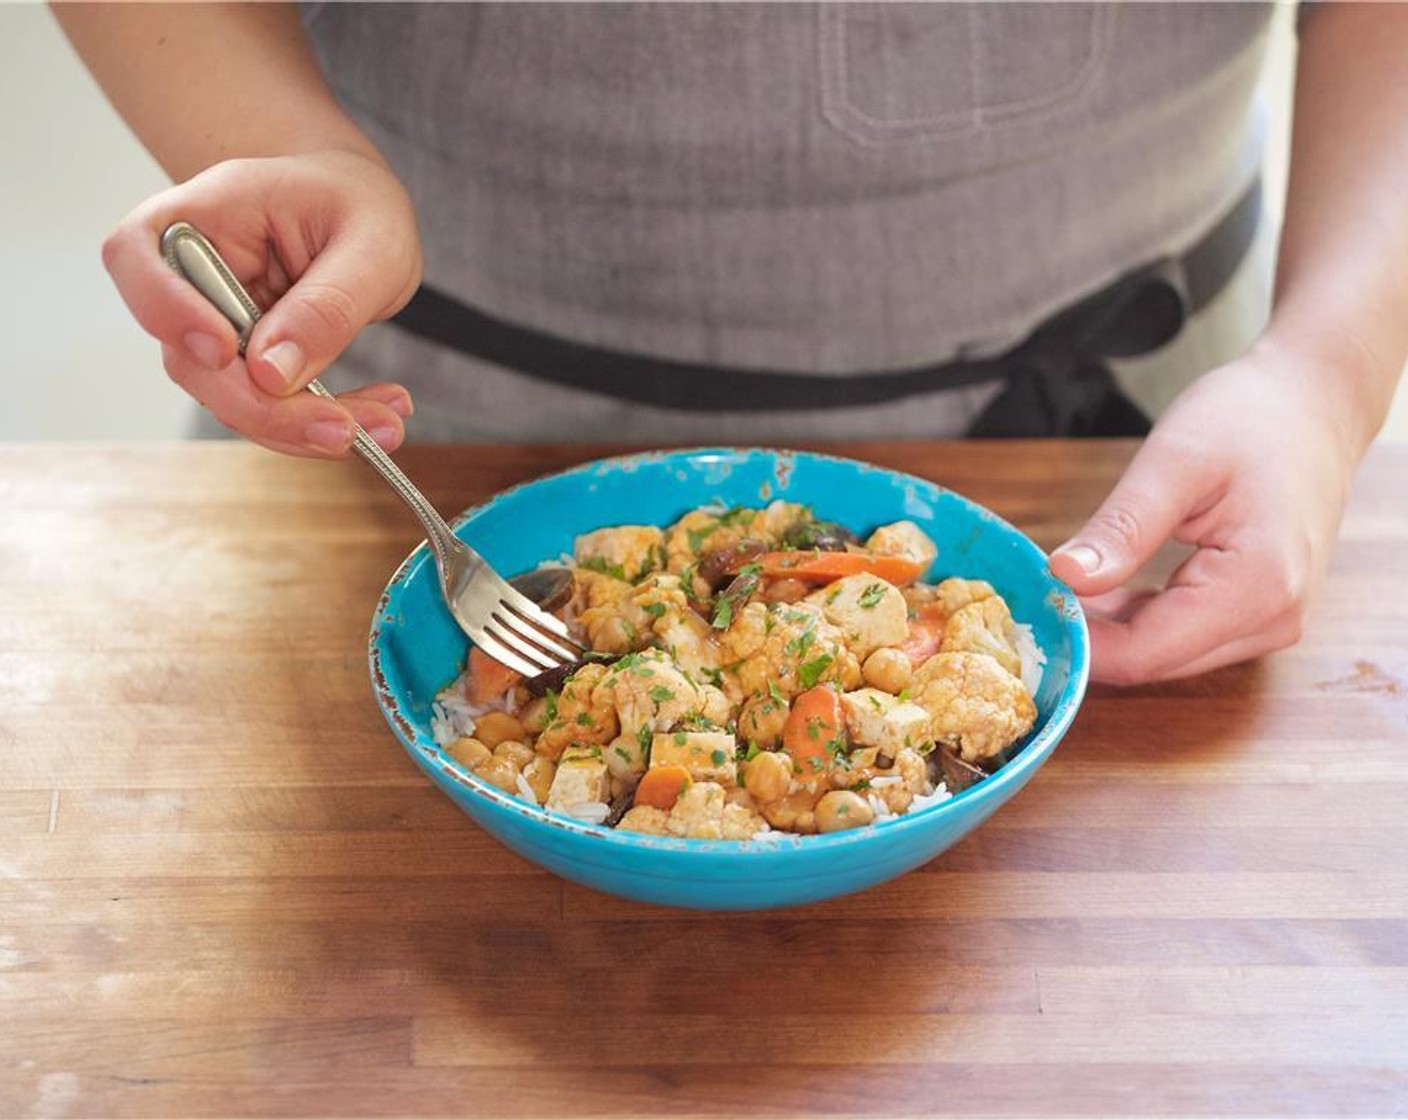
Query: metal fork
point(499, 619)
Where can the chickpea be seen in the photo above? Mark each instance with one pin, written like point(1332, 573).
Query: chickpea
point(761, 721)
point(539, 775)
point(626, 756)
point(793, 813)
point(516, 754)
point(469, 753)
point(888, 669)
point(534, 716)
point(768, 776)
point(500, 772)
point(842, 809)
point(493, 728)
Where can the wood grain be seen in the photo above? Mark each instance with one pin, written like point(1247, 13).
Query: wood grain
point(224, 890)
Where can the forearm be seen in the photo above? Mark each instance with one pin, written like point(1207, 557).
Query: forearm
point(201, 83)
point(1342, 280)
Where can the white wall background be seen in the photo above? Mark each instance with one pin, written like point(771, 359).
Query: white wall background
point(72, 364)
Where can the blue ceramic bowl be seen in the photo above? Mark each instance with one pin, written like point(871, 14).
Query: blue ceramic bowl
point(416, 649)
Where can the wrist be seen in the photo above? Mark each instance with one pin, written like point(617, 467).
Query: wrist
point(1344, 380)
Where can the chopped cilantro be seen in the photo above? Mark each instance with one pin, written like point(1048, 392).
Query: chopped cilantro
point(654, 610)
point(584, 719)
point(753, 751)
point(644, 737)
point(905, 694)
point(871, 596)
point(605, 567)
point(697, 537)
point(660, 694)
point(810, 672)
point(625, 754)
point(723, 614)
point(814, 727)
point(719, 757)
point(550, 705)
point(681, 738)
point(776, 693)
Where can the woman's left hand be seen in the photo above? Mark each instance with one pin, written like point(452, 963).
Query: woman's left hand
point(1251, 466)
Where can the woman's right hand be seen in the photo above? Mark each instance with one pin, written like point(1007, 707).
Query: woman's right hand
point(325, 242)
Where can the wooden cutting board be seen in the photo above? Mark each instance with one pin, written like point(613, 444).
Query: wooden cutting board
point(224, 889)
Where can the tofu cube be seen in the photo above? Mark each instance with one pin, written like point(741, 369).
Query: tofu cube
point(581, 777)
point(877, 719)
point(869, 611)
point(707, 755)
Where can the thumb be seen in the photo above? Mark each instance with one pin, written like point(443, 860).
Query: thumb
point(1152, 499)
point(350, 283)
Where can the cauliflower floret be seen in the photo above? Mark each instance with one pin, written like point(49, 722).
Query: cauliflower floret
point(788, 647)
point(632, 620)
point(877, 719)
point(624, 551)
point(741, 823)
point(869, 611)
point(771, 522)
point(594, 589)
point(577, 716)
point(701, 531)
point(906, 539)
point(647, 819)
point(938, 601)
point(676, 627)
point(984, 627)
point(978, 707)
point(648, 690)
point(699, 813)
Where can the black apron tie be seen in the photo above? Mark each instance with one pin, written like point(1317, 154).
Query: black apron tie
point(1057, 380)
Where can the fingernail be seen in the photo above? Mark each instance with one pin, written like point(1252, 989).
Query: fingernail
point(385, 436)
point(288, 358)
point(328, 435)
point(1085, 556)
point(204, 348)
point(401, 405)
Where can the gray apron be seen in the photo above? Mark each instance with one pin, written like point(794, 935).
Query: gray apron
point(825, 188)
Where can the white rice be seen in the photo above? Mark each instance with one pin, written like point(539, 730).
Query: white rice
point(593, 812)
point(878, 807)
point(885, 780)
point(923, 801)
point(452, 716)
point(525, 791)
point(1032, 657)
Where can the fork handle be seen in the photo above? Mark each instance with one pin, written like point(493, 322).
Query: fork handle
point(191, 256)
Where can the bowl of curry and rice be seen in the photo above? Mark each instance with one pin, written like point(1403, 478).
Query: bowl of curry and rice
point(807, 675)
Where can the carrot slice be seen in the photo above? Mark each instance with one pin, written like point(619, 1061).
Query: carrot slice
point(824, 567)
point(923, 640)
point(815, 731)
point(488, 679)
point(661, 786)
